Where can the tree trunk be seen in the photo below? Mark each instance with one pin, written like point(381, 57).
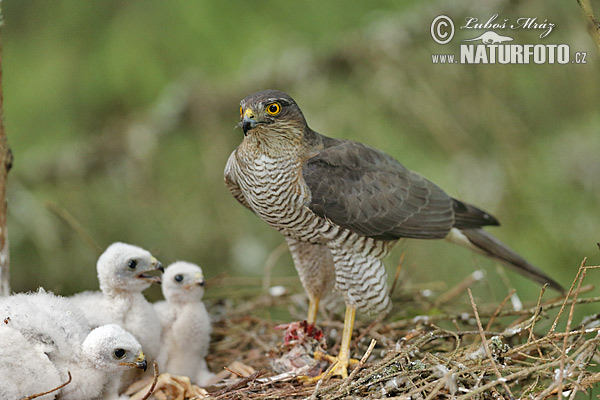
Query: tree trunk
point(5, 164)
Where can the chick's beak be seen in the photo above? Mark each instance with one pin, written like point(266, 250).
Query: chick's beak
point(248, 121)
point(159, 266)
point(156, 264)
point(140, 362)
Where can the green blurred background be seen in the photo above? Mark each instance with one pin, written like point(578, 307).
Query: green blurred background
point(121, 116)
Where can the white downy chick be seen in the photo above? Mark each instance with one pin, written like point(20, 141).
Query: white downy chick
point(56, 335)
point(123, 275)
point(186, 326)
point(24, 369)
point(109, 351)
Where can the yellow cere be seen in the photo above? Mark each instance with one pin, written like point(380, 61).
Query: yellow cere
point(248, 113)
point(141, 356)
point(199, 276)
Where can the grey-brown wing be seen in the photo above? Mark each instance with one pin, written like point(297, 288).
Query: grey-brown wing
point(367, 191)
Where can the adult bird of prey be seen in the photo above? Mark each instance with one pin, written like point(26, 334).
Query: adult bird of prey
point(342, 205)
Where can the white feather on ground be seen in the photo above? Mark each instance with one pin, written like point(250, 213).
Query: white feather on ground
point(122, 274)
point(186, 326)
point(55, 339)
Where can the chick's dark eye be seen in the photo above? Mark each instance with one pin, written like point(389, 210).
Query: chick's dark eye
point(178, 278)
point(120, 353)
point(273, 108)
point(132, 264)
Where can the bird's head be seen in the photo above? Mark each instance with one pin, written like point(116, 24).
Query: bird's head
point(183, 282)
point(112, 349)
point(272, 112)
point(124, 267)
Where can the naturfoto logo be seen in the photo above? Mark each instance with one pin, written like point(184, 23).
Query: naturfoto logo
point(494, 46)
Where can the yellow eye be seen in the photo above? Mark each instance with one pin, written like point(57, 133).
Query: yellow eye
point(273, 108)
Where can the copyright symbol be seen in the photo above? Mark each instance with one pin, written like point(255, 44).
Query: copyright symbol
point(442, 29)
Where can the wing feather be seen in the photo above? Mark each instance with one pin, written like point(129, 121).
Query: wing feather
point(368, 192)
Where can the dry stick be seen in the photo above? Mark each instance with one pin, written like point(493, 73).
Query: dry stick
point(553, 327)
point(153, 382)
point(362, 362)
point(486, 346)
point(535, 315)
point(580, 378)
point(537, 312)
point(72, 223)
point(568, 328)
point(499, 308)
point(593, 23)
point(367, 330)
point(456, 290)
point(323, 379)
point(234, 372)
point(526, 371)
point(270, 263)
point(6, 160)
point(397, 274)
point(587, 350)
point(50, 391)
point(441, 383)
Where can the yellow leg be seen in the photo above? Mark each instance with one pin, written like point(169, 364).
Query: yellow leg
point(343, 359)
point(313, 307)
point(344, 356)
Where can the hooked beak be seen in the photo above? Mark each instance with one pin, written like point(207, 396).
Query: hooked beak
point(198, 281)
point(248, 121)
point(140, 362)
point(151, 278)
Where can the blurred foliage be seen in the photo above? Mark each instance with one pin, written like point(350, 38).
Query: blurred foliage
point(122, 115)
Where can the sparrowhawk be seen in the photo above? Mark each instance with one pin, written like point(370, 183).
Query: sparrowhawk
point(342, 205)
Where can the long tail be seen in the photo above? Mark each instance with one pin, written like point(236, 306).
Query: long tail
point(483, 242)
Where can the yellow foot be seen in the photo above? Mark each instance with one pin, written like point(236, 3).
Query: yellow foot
point(340, 367)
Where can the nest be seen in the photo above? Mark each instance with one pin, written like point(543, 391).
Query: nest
point(500, 353)
point(466, 355)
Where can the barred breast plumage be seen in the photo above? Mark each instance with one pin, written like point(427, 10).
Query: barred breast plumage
point(273, 187)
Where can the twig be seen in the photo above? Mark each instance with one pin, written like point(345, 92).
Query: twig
point(593, 24)
point(524, 372)
point(6, 161)
point(72, 223)
point(537, 312)
point(486, 346)
point(553, 327)
point(499, 308)
point(154, 381)
point(563, 353)
point(440, 384)
point(362, 362)
point(50, 391)
point(459, 288)
point(324, 378)
point(270, 263)
point(397, 274)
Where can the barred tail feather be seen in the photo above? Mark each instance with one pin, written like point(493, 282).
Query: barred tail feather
point(481, 241)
